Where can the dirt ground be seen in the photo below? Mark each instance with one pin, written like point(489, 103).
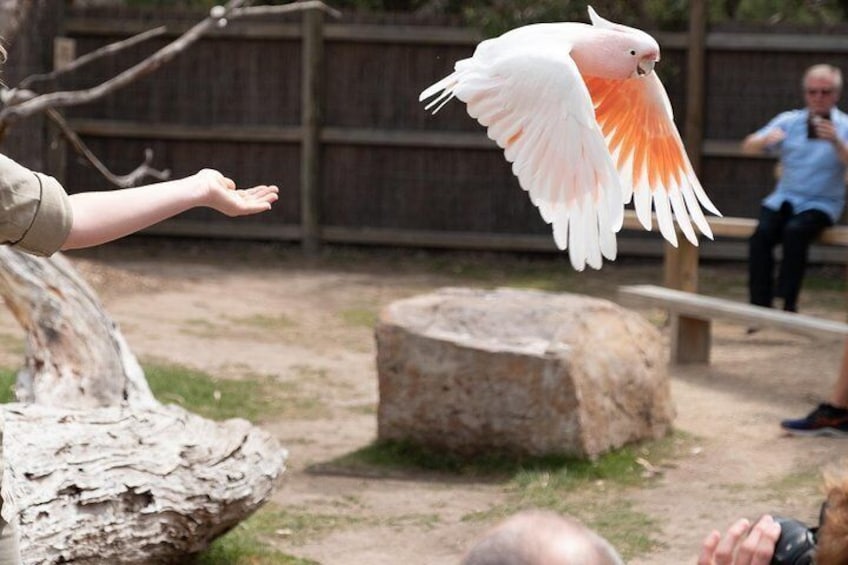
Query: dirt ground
point(188, 306)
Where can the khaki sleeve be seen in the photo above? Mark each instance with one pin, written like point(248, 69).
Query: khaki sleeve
point(35, 211)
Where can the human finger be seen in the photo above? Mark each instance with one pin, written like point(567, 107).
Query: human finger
point(747, 547)
point(769, 532)
point(708, 547)
point(262, 190)
point(727, 546)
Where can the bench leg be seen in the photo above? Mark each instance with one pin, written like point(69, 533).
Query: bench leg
point(690, 340)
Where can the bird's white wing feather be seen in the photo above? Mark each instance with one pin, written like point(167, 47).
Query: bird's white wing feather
point(536, 107)
point(636, 118)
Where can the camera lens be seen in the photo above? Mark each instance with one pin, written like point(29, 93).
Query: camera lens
point(796, 544)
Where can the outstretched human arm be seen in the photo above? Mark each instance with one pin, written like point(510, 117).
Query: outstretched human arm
point(99, 217)
point(757, 142)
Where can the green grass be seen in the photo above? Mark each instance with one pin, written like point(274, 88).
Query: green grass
point(359, 317)
point(621, 466)
point(243, 545)
point(265, 323)
point(593, 491)
point(199, 392)
point(254, 397)
point(7, 385)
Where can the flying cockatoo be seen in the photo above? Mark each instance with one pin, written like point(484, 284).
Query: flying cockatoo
point(587, 126)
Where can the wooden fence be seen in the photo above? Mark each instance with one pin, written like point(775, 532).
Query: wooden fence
point(328, 110)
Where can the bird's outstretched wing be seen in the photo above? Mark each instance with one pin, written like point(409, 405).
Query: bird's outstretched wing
point(536, 106)
point(636, 118)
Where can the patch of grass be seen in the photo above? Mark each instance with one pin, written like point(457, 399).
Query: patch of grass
point(8, 377)
point(200, 328)
point(620, 466)
point(205, 395)
point(298, 524)
point(265, 323)
point(243, 546)
point(800, 484)
point(359, 317)
point(630, 532)
point(253, 398)
point(593, 491)
point(368, 409)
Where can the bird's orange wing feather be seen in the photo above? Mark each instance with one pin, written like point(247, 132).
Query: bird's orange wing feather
point(635, 118)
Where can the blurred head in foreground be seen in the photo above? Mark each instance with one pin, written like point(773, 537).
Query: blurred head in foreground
point(537, 537)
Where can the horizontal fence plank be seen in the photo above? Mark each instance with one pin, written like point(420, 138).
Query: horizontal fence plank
point(117, 27)
point(796, 43)
point(442, 35)
point(729, 148)
point(389, 237)
point(139, 130)
point(400, 34)
point(218, 229)
point(351, 136)
point(401, 138)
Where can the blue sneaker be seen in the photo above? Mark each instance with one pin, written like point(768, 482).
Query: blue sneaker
point(825, 420)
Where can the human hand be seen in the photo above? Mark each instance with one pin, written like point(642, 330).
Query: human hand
point(824, 128)
point(742, 544)
point(220, 193)
point(773, 137)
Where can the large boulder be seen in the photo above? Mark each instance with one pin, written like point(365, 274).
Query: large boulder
point(519, 371)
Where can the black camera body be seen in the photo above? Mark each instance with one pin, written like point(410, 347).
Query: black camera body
point(796, 544)
point(811, 124)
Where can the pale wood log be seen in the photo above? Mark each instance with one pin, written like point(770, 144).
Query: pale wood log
point(76, 357)
point(130, 485)
point(95, 470)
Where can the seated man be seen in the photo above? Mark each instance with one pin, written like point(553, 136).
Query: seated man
point(810, 193)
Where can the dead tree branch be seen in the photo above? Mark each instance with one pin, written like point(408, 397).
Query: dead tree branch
point(144, 170)
point(108, 50)
point(21, 102)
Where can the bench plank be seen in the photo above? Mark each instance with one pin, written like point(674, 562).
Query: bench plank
point(742, 228)
point(708, 307)
point(691, 316)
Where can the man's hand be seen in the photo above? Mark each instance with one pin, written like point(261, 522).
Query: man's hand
point(742, 544)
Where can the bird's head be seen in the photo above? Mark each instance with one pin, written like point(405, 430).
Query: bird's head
point(637, 52)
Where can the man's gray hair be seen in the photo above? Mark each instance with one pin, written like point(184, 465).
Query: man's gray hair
point(536, 537)
point(834, 74)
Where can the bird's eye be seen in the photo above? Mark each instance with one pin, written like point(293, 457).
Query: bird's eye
point(633, 52)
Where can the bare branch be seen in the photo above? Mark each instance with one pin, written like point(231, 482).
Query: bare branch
point(285, 9)
point(111, 49)
point(123, 181)
point(233, 8)
point(77, 97)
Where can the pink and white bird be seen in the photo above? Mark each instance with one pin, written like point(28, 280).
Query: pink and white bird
point(587, 126)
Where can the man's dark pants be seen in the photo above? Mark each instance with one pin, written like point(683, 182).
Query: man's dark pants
point(795, 232)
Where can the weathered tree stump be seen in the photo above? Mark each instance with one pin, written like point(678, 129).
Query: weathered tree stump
point(95, 470)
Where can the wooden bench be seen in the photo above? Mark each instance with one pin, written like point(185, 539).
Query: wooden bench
point(690, 315)
point(742, 228)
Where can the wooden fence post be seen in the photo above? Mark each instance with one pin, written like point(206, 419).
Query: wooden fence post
point(681, 264)
point(311, 117)
point(64, 52)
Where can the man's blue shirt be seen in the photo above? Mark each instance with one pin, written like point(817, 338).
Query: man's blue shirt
point(812, 175)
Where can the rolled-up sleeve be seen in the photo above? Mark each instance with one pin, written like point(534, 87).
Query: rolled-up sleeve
point(35, 211)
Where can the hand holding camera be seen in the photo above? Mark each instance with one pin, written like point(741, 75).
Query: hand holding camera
point(742, 544)
point(820, 126)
